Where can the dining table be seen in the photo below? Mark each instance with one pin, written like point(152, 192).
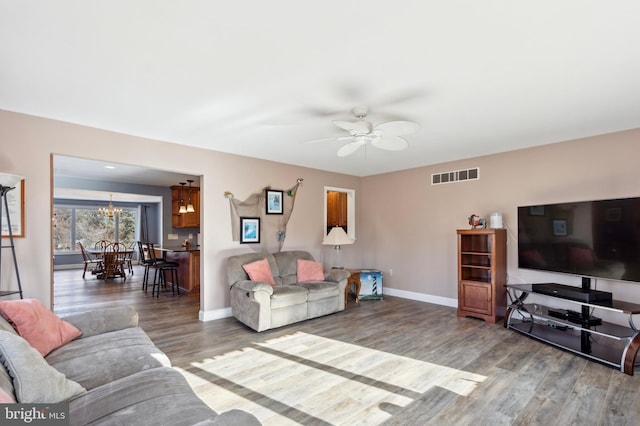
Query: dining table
point(112, 263)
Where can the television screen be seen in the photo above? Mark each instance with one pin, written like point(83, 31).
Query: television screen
point(590, 238)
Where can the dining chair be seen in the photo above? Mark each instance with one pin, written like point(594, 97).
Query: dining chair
point(128, 256)
point(102, 245)
point(113, 261)
point(89, 260)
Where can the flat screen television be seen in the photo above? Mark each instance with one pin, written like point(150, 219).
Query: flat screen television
point(590, 238)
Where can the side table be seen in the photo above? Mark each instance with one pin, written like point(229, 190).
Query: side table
point(354, 279)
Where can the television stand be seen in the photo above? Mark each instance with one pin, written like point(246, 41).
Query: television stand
point(577, 331)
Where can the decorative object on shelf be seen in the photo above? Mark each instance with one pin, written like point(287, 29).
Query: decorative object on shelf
point(183, 208)
point(249, 230)
point(337, 238)
point(110, 211)
point(273, 226)
point(274, 201)
point(495, 220)
point(476, 222)
point(9, 182)
point(190, 208)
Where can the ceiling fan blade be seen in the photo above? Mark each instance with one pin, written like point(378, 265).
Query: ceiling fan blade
point(390, 143)
point(350, 148)
point(398, 128)
point(359, 126)
point(335, 138)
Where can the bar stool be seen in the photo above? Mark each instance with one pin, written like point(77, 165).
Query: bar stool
point(145, 261)
point(162, 266)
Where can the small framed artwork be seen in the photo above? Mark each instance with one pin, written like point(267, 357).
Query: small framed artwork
point(15, 200)
point(536, 211)
point(249, 230)
point(274, 202)
point(560, 228)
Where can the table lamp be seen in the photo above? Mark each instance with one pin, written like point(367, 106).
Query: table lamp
point(337, 237)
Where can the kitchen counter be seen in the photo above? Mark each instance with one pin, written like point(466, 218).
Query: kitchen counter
point(189, 269)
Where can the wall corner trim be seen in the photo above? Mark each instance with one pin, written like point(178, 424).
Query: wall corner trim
point(214, 314)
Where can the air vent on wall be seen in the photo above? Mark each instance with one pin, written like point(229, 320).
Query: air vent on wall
point(455, 176)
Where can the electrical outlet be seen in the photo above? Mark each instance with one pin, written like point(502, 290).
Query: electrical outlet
point(191, 236)
point(172, 236)
point(390, 272)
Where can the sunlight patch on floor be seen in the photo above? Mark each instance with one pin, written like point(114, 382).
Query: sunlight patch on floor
point(330, 380)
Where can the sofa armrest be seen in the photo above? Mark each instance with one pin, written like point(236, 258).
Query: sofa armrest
point(103, 320)
point(336, 275)
point(247, 285)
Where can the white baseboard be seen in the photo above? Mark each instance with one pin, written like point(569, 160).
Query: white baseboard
point(214, 315)
point(421, 297)
point(70, 266)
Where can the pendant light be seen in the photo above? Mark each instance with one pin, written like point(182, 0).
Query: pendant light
point(183, 209)
point(190, 208)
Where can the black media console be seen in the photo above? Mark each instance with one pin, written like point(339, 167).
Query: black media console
point(577, 331)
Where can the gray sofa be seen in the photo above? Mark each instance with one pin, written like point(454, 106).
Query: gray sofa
point(262, 306)
point(128, 380)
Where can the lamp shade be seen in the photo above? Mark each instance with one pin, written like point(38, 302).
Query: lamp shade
point(337, 237)
point(7, 179)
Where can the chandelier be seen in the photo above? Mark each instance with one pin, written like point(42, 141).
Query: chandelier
point(110, 211)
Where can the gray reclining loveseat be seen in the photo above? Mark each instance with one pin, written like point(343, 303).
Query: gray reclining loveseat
point(262, 306)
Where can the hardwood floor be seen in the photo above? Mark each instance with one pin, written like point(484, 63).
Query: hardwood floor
point(488, 375)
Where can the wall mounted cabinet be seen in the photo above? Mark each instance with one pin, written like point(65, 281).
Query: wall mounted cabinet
point(181, 195)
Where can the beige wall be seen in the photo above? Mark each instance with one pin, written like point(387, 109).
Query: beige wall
point(404, 223)
point(412, 224)
point(32, 140)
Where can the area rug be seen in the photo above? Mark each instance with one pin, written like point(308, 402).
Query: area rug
point(306, 379)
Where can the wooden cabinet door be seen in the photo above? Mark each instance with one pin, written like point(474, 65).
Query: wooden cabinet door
point(192, 220)
point(176, 220)
point(336, 209)
point(475, 297)
point(185, 220)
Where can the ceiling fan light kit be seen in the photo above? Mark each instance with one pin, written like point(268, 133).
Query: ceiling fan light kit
point(385, 136)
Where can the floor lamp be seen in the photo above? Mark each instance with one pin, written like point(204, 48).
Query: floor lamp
point(336, 238)
point(7, 183)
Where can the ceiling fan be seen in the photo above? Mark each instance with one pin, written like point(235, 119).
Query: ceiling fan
point(362, 132)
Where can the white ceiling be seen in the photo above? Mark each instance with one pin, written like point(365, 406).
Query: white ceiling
point(73, 167)
point(259, 78)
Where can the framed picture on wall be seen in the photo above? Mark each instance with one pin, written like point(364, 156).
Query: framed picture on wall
point(249, 230)
point(536, 211)
point(274, 202)
point(15, 200)
point(560, 228)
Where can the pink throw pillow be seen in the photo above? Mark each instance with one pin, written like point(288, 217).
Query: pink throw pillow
point(310, 271)
point(259, 271)
point(38, 325)
point(5, 398)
